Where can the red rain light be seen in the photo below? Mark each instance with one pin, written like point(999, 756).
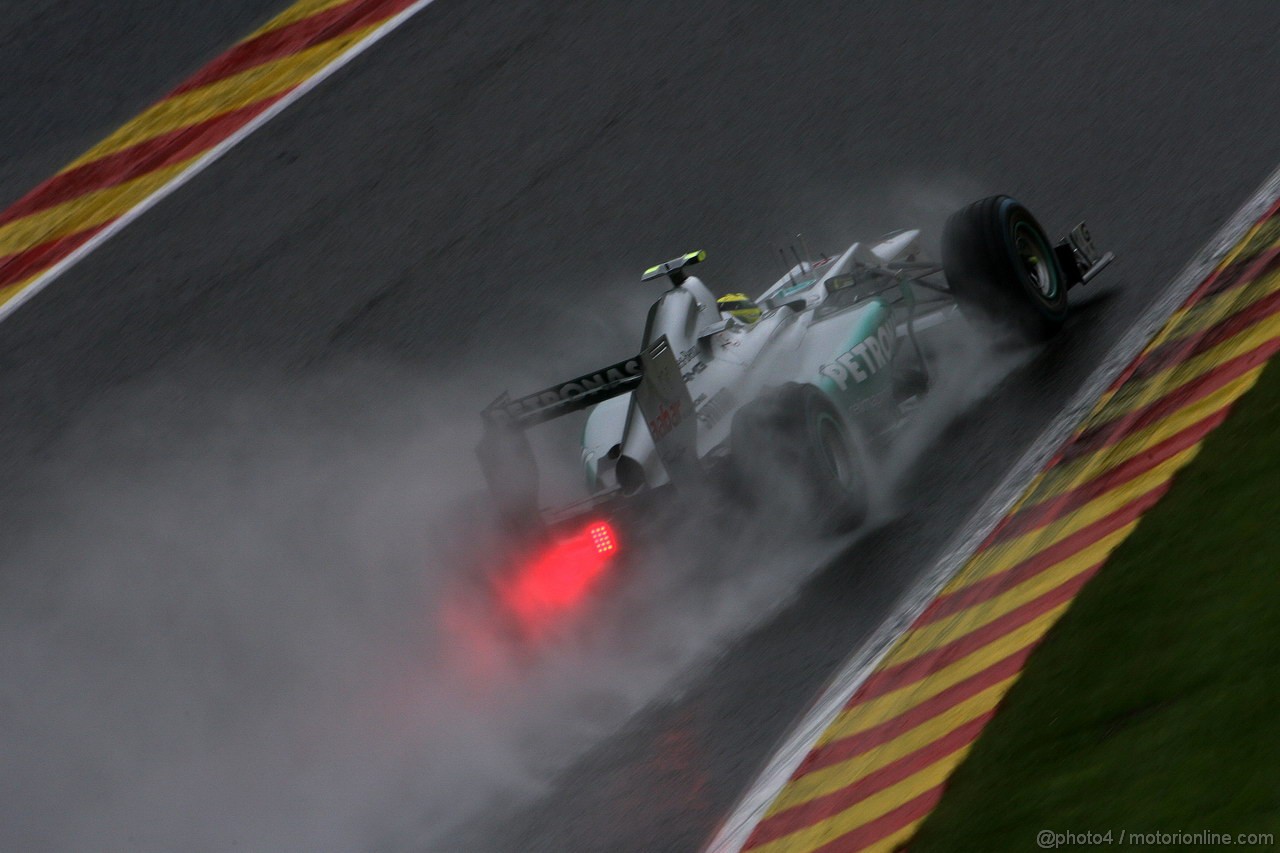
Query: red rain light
point(602, 537)
point(562, 576)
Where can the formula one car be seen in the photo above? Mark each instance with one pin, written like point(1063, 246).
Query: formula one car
point(796, 386)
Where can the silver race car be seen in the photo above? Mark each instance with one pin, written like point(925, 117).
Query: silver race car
point(795, 386)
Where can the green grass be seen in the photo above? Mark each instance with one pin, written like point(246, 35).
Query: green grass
point(1154, 704)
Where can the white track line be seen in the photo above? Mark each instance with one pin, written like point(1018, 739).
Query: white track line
point(49, 275)
point(737, 827)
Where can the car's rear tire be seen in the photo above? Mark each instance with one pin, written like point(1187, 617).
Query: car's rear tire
point(796, 458)
point(1002, 268)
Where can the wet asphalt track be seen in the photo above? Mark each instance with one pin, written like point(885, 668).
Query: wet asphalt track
point(482, 166)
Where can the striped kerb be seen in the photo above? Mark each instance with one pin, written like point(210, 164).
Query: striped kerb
point(55, 219)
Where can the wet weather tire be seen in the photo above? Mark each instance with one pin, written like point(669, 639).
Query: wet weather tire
point(1002, 268)
point(796, 458)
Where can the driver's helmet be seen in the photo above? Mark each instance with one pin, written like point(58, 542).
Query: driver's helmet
point(738, 305)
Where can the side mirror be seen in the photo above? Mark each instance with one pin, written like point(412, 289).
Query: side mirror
point(794, 304)
point(841, 282)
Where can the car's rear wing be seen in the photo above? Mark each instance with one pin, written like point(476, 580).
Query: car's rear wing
point(661, 403)
point(505, 455)
point(565, 397)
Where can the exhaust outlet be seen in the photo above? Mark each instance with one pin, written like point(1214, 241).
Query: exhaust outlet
point(630, 474)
